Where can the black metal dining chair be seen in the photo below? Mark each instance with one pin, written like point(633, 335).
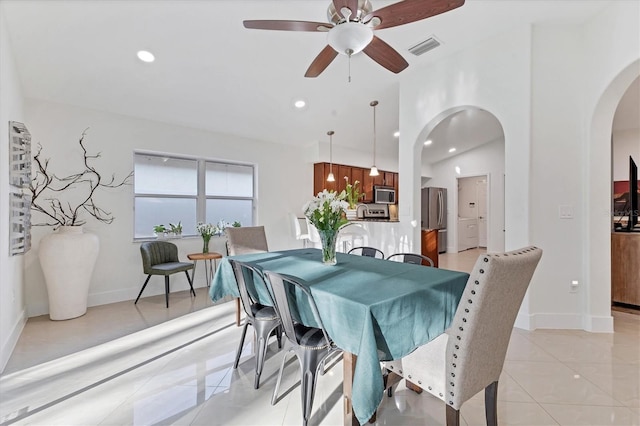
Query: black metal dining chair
point(264, 319)
point(367, 251)
point(417, 259)
point(310, 343)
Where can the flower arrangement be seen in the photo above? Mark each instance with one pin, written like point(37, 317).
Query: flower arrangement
point(352, 193)
point(206, 231)
point(326, 210)
point(327, 213)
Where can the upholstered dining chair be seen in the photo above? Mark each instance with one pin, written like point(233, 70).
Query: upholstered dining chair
point(367, 251)
point(246, 239)
point(470, 355)
point(417, 259)
point(311, 344)
point(161, 258)
point(263, 318)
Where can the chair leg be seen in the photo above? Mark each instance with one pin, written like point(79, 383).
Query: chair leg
point(142, 289)
point(275, 391)
point(191, 283)
point(263, 330)
point(491, 403)
point(166, 289)
point(244, 333)
point(309, 366)
point(453, 416)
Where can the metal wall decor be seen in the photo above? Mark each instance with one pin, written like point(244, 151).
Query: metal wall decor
point(19, 223)
point(19, 155)
point(19, 178)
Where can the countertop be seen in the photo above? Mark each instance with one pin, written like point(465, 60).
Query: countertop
point(375, 220)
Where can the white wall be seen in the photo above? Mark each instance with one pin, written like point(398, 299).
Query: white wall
point(487, 159)
point(284, 184)
point(556, 174)
point(12, 305)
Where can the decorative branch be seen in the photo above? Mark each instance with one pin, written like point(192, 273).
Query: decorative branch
point(44, 183)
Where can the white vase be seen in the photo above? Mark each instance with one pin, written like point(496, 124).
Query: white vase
point(67, 257)
point(351, 214)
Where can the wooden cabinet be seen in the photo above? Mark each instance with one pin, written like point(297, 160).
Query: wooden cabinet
point(625, 268)
point(321, 171)
point(429, 243)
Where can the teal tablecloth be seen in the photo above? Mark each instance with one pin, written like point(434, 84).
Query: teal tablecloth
point(376, 309)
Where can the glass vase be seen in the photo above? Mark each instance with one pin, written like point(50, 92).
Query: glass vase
point(205, 246)
point(328, 238)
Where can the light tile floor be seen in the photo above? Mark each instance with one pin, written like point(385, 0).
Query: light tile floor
point(142, 364)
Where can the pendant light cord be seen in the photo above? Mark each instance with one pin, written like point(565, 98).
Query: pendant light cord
point(373, 104)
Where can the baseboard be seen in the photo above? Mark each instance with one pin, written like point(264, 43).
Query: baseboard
point(104, 298)
point(599, 324)
point(10, 343)
point(549, 321)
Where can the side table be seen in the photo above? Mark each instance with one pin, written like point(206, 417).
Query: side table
point(209, 269)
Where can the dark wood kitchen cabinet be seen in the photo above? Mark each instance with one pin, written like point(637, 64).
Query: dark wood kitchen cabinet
point(361, 174)
point(429, 243)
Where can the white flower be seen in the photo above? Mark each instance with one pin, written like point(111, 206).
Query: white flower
point(326, 210)
point(206, 229)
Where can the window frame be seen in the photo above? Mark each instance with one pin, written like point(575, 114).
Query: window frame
point(201, 196)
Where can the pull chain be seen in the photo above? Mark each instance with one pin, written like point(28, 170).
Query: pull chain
point(349, 53)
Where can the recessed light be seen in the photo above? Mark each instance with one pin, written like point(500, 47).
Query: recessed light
point(146, 56)
point(452, 150)
point(396, 134)
point(300, 103)
point(428, 142)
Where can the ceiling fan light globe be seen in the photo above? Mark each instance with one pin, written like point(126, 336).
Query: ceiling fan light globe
point(352, 36)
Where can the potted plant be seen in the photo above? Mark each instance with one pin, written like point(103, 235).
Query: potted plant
point(68, 255)
point(176, 230)
point(160, 231)
point(352, 196)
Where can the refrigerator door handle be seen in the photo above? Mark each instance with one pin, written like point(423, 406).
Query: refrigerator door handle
point(439, 209)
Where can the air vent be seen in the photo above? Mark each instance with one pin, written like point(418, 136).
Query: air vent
point(425, 46)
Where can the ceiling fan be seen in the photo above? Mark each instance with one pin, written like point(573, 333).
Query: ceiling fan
point(351, 27)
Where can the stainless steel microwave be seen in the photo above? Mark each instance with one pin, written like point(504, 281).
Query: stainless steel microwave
point(384, 195)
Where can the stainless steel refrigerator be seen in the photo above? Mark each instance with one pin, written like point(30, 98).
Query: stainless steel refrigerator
point(434, 214)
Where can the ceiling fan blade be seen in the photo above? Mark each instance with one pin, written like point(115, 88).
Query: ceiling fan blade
point(349, 4)
point(385, 55)
point(287, 25)
point(408, 11)
point(321, 62)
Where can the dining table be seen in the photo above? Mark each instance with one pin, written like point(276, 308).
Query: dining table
point(373, 309)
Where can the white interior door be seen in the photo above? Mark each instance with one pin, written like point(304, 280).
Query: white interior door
point(481, 192)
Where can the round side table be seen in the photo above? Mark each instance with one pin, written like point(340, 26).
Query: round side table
point(208, 264)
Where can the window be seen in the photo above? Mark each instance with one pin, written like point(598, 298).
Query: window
point(169, 189)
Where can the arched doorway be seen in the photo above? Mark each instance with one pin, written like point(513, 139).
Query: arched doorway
point(461, 142)
point(599, 175)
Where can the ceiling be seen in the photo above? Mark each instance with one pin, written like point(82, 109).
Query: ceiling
point(211, 73)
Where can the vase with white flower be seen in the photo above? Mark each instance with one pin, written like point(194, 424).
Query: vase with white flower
point(352, 196)
point(206, 231)
point(327, 213)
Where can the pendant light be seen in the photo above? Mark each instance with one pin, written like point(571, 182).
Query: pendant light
point(374, 169)
point(331, 178)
